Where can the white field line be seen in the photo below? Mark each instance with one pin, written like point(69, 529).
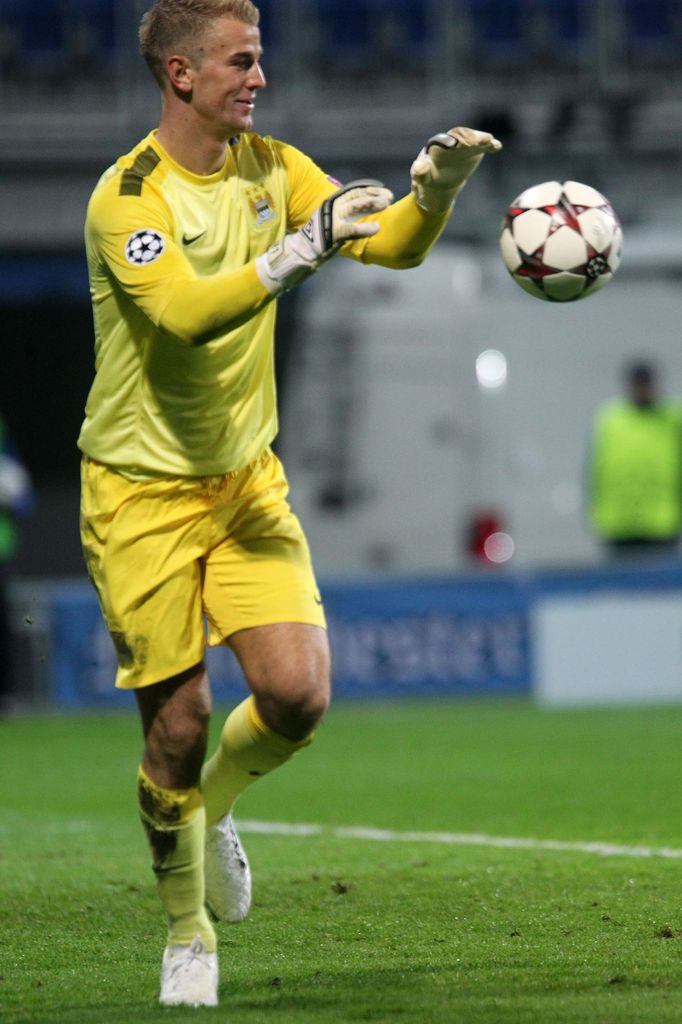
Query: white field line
point(382, 835)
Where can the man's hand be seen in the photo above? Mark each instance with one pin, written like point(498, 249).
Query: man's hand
point(445, 164)
point(296, 256)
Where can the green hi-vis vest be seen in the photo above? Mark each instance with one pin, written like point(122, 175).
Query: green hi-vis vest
point(637, 472)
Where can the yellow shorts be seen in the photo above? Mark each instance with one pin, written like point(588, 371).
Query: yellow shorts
point(165, 553)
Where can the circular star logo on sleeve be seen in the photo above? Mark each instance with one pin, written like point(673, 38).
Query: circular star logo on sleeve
point(144, 247)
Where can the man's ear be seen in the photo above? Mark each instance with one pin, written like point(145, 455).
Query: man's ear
point(179, 73)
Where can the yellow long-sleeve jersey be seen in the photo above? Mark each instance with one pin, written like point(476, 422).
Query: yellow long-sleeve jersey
point(184, 329)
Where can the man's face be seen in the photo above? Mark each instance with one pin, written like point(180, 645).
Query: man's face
point(226, 77)
point(643, 392)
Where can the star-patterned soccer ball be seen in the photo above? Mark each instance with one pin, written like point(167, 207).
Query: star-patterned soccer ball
point(561, 241)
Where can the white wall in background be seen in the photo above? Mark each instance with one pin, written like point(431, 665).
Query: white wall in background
point(384, 387)
point(608, 648)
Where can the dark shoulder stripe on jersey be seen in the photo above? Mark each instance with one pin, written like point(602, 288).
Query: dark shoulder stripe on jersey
point(132, 178)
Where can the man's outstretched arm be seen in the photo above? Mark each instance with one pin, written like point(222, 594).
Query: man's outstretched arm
point(410, 227)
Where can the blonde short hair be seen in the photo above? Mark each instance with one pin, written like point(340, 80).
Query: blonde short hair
point(178, 26)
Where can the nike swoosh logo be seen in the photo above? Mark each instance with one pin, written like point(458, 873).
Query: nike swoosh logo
point(186, 240)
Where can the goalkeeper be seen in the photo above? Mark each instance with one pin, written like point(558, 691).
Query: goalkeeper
point(190, 238)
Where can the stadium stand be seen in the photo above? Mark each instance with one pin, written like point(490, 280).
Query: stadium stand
point(52, 42)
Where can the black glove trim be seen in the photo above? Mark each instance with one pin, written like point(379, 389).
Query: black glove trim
point(443, 140)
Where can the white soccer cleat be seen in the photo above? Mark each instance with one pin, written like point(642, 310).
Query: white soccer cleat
point(227, 873)
point(189, 976)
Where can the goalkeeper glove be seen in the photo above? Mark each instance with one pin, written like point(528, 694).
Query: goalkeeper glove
point(299, 254)
point(445, 164)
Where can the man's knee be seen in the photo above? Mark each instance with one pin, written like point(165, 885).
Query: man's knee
point(181, 735)
point(176, 719)
point(294, 705)
point(175, 749)
point(287, 666)
point(309, 701)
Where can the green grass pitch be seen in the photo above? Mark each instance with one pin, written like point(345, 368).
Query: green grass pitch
point(346, 929)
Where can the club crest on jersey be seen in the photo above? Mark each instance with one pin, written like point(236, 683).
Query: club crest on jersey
point(144, 247)
point(260, 204)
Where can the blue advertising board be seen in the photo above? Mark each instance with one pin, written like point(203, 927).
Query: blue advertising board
point(470, 635)
point(437, 637)
point(394, 638)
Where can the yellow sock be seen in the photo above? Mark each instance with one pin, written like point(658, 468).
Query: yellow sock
point(175, 821)
point(248, 750)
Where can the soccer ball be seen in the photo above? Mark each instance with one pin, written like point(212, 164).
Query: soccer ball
point(561, 242)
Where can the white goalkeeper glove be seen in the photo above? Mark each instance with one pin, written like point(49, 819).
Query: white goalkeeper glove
point(445, 164)
point(299, 254)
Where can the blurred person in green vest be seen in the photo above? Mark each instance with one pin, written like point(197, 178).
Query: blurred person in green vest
point(635, 485)
point(16, 499)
